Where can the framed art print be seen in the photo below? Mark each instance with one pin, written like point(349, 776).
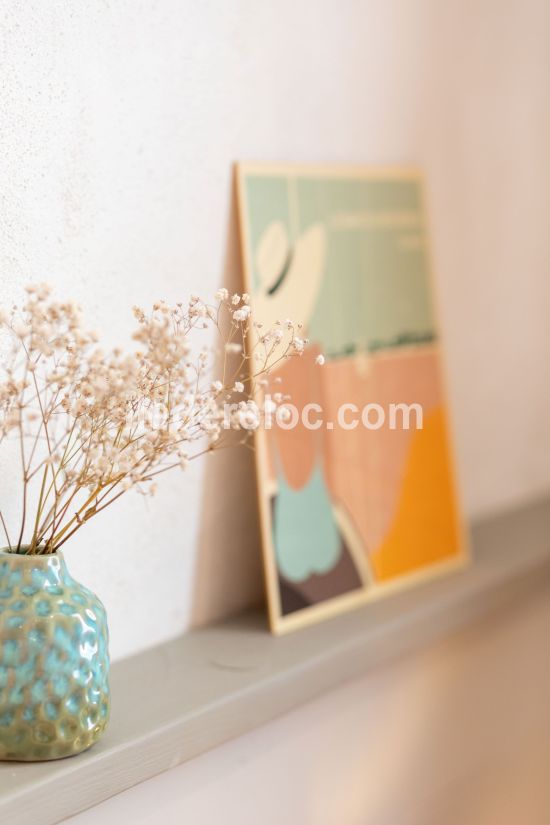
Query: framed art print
point(357, 493)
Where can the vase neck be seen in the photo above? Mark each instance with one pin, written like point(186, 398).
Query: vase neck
point(49, 569)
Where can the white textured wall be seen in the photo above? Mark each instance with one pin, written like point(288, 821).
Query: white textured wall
point(119, 122)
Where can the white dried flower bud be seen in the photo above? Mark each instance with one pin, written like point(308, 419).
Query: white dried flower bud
point(248, 416)
point(43, 291)
point(21, 329)
point(241, 314)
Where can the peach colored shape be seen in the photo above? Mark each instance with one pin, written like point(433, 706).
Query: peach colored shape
point(364, 468)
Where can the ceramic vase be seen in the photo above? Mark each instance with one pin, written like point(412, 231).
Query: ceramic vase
point(54, 660)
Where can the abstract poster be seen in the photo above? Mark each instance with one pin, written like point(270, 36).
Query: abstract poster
point(357, 498)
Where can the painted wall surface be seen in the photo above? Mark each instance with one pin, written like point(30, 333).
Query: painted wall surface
point(119, 124)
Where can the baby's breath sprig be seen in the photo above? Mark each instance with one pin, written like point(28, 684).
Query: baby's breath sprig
point(92, 425)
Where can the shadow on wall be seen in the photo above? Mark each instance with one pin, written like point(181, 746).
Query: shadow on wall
point(228, 573)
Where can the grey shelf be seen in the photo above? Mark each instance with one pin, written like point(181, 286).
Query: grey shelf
point(176, 701)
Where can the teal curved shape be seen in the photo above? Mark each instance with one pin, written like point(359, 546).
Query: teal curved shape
point(306, 537)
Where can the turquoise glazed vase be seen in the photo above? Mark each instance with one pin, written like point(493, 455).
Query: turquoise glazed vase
point(54, 660)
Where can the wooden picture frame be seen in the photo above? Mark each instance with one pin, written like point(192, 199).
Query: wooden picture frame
point(349, 516)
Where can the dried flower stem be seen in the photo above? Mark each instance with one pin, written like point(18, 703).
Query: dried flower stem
point(6, 531)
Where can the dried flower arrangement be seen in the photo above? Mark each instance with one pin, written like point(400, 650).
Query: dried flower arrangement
point(92, 425)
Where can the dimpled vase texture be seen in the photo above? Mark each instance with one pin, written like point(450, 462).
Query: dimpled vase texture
point(54, 660)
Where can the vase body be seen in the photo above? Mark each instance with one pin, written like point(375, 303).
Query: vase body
point(54, 660)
